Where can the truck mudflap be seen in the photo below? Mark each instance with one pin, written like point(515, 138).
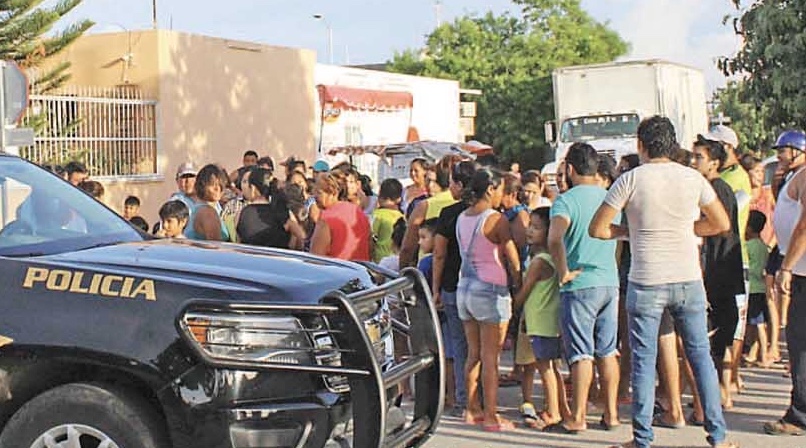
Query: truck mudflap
point(370, 388)
point(364, 367)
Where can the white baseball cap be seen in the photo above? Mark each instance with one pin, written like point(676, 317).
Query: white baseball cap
point(723, 134)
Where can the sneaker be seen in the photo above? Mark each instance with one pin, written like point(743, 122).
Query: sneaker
point(457, 411)
point(528, 411)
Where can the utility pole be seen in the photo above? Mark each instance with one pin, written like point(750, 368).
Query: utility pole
point(154, 13)
point(438, 12)
point(322, 18)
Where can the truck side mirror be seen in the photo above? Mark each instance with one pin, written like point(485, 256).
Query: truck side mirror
point(550, 128)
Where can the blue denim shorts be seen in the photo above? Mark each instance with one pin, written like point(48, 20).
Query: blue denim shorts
point(589, 323)
point(483, 302)
point(546, 348)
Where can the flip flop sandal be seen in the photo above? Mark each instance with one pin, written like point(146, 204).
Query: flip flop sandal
point(559, 428)
point(607, 426)
point(502, 425)
point(661, 423)
point(782, 428)
point(726, 445)
point(691, 421)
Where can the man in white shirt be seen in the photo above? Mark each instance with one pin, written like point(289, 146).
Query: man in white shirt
point(790, 229)
point(662, 200)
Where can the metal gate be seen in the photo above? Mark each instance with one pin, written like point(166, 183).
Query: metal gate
point(112, 130)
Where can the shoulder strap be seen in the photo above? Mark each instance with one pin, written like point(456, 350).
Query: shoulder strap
point(545, 256)
point(479, 229)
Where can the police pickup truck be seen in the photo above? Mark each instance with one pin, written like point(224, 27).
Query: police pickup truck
point(112, 339)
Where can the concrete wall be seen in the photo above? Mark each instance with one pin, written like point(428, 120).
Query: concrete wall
point(217, 98)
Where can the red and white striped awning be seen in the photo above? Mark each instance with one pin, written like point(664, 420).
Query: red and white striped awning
point(357, 150)
point(363, 99)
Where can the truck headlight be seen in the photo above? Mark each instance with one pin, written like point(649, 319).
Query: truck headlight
point(231, 336)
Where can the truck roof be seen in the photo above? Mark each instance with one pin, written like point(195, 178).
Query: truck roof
point(624, 64)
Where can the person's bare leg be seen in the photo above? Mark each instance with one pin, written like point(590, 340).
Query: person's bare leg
point(527, 382)
point(609, 378)
point(492, 340)
point(752, 338)
point(581, 377)
point(669, 372)
point(450, 386)
point(775, 318)
point(735, 361)
point(565, 409)
point(765, 360)
point(550, 391)
point(472, 370)
point(726, 377)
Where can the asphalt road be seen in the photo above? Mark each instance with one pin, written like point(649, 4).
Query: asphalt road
point(765, 398)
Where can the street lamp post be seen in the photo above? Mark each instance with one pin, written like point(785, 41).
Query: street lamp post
point(329, 36)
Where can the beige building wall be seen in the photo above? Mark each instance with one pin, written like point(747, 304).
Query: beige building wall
point(217, 99)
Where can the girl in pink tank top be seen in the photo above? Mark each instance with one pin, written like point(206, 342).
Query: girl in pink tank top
point(482, 296)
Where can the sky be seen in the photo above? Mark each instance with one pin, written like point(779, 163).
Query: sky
point(370, 31)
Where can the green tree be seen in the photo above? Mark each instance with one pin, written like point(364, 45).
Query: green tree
point(510, 58)
point(26, 37)
point(748, 120)
point(772, 59)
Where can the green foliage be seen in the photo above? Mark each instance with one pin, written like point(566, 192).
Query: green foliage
point(25, 33)
point(772, 60)
point(510, 58)
point(27, 37)
point(749, 121)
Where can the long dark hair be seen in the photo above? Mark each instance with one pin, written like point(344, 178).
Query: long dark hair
point(268, 186)
point(208, 175)
point(482, 180)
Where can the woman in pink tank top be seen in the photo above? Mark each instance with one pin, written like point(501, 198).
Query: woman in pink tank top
point(343, 230)
point(482, 296)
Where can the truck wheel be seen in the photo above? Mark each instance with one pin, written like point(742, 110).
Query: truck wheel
point(84, 416)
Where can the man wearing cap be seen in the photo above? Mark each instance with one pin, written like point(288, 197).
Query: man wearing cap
point(739, 181)
point(319, 167)
point(186, 184)
point(790, 229)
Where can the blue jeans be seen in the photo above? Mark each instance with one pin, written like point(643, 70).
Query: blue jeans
point(686, 303)
point(456, 339)
point(589, 323)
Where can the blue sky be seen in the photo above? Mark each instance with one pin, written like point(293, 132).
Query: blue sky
point(364, 31)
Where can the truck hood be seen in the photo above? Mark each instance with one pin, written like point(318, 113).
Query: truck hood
point(235, 269)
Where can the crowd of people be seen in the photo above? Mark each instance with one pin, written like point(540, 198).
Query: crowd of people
point(616, 271)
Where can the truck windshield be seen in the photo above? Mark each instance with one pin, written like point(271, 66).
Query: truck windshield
point(595, 127)
point(42, 214)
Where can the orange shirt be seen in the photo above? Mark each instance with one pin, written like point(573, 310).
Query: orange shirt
point(350, 231)
point(765, 203)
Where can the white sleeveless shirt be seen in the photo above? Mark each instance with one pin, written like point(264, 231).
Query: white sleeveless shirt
point(787, 213)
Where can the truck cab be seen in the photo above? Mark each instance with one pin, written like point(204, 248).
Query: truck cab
point(610, 133)
point(112, 338)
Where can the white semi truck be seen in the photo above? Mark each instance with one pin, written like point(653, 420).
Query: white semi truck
point(603, 104)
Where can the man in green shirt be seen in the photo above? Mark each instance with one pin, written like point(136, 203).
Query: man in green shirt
point(739, 181)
